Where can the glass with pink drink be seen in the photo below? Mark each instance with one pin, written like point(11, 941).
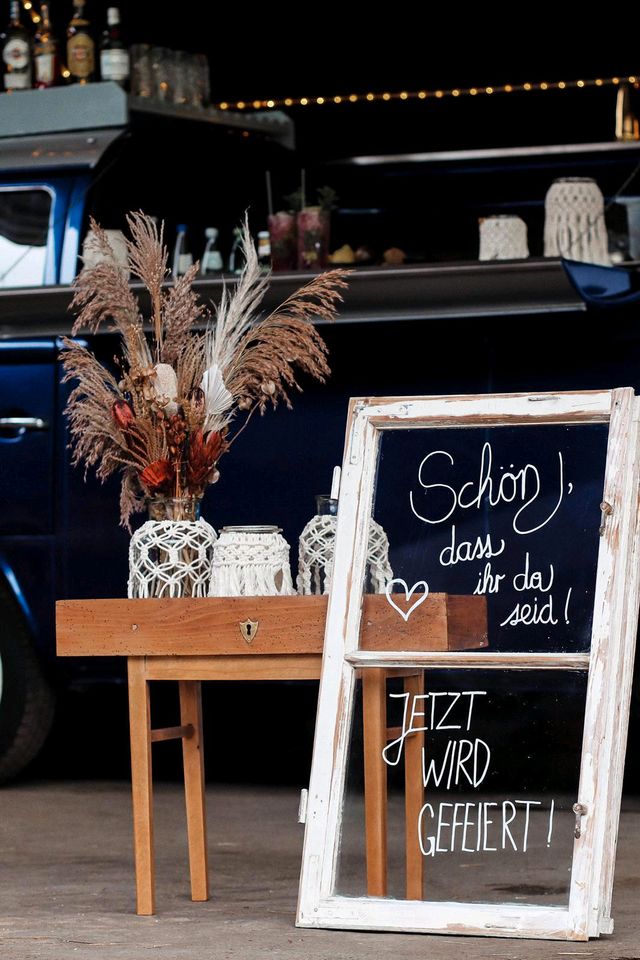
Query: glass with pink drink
point(313, 238)
point(283, 236)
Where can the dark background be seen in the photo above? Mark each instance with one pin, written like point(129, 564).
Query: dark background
point(323, 51)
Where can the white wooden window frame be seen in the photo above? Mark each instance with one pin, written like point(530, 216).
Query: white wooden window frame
point(609, 664)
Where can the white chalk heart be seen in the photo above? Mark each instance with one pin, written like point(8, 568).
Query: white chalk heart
point(405, 614)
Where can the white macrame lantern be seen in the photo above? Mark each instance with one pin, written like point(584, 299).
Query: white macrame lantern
point(317, 547)
point(171, 558)
point(574, 224)
point(503, 237)
point(251, 561)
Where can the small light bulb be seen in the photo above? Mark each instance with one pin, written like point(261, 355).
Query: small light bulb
point(581, 83)
point(508, 88)
point(240, 104)
point(303, 101)
point(370, 96)
point(337, 99)
point(320, 100)
point(288, 102)
point(404, 95)
point(561, 85)
point(386, 96)
point(489, 90)
point(422, 95)
point(544, 86)
point(631, 79)
point(473, 91)
point(599, 83)
point(66, 73)
point(615, 80)
point(527, 86)
point(270, 103)
point(257, 104)
point(224, 106)
point(455, 93)
point(439, 94)
point(352, 98)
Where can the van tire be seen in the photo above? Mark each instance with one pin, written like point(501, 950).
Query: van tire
point(27, 700)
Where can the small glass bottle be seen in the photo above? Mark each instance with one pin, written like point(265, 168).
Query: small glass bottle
point(182, 258)
point(45, 53)
point(236, 257)
point(211, 263)
point(114, 56)
point(81, 54)
point(16, 52)
point(264, 250)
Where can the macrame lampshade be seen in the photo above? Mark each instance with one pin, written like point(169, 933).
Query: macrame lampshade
point(251, 562)
point(503, 237)
point(171, 558)
point(574, 225)
point(317, 547)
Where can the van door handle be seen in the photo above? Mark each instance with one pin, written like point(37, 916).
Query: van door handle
point(23, 425)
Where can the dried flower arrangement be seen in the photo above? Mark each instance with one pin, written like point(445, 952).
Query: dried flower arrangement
point(184, 394)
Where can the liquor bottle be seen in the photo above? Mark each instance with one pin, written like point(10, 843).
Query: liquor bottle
point(16, 52)
point(211, 263)
point(114, 56)
point(45, 52)
point(80, 47)
point(182, 258)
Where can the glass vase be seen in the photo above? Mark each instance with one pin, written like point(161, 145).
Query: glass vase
point(171, 554)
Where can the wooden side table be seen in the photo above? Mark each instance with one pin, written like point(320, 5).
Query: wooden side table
point(256, 638)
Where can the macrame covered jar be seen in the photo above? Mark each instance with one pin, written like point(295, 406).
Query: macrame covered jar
point(503, 237)
point(251, 561)
point(317, 547)
point(574, 224)
point(171, 554)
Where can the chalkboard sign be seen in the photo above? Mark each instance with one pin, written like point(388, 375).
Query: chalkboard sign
point(470, 740)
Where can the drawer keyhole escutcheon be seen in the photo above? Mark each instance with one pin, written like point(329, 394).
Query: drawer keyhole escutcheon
point(248, 629)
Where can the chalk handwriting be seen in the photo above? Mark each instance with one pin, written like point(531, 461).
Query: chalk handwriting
point(473, 827)
point(415, 712)
point(523, 487)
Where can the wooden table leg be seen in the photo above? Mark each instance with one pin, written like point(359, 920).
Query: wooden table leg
point(413, 796)
point(142, 786)
point(191, 713)
point(374, 707)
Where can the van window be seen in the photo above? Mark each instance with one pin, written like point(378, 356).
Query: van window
point(24, 229)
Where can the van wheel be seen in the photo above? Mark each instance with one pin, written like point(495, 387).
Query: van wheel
point(27, 699)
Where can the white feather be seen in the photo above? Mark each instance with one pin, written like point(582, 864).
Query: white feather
point(218, 400)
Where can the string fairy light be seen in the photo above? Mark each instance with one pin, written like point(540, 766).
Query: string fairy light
point(440, 94)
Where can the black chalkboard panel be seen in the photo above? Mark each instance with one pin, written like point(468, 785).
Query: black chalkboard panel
point(510, 513)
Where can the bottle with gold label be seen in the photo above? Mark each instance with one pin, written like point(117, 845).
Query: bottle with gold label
point(81, 54)
point(45, 52)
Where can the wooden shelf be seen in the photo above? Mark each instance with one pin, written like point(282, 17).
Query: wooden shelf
point(421, 292)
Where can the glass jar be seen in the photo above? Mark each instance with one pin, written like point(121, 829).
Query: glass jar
point(174, 508)
point(171, 554)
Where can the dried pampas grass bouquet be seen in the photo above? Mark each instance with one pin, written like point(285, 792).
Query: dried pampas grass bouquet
point(186, 381)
